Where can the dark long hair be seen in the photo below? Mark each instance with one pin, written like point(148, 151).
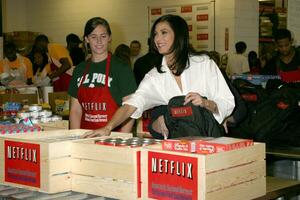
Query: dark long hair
point(181, 46)
point(90, 25)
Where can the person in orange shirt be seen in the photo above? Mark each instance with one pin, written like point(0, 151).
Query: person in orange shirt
point(16, 66)
point(59, 60)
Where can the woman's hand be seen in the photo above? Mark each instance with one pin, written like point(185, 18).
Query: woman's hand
point(105, 131)
point(197, 100)
point(159, 126)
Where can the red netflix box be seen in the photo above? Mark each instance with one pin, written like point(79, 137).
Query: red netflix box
point(184, 144)
point(221, 144)
point(205, 145)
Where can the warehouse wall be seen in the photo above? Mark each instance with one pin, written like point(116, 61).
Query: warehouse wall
point(128, 18)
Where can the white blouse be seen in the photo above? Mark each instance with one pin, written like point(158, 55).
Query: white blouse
point(203, 76)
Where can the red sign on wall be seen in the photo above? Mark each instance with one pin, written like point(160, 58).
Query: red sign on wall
point(186, 9)
point(202, 36)
point(22, 163)
point(203, 17)
point(156, 11)
point(172, 176)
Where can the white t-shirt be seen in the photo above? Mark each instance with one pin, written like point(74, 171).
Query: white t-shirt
point(203, 77)
point(237, 64)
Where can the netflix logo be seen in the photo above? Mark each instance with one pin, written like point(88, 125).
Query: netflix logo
point(172, 176)
point(22, 163)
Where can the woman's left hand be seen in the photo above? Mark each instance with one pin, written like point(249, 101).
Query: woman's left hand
point(195, 98)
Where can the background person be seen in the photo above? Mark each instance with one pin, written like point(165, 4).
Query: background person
point(17, 66)
point(145, 63)
point(238, 63)
point(180, 73)
point(99, 84)
point(75, 51)
point(254, 63)
point(123, 52)
point(59, 60)
point(286, 63)
point(135, 51)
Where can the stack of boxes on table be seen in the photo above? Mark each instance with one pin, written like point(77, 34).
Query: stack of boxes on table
point(122, 167)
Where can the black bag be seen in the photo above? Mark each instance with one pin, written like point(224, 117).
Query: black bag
point(189, 120)
point(269, 120)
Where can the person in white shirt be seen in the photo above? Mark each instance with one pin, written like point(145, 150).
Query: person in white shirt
point(181, 73)
point(238, 62)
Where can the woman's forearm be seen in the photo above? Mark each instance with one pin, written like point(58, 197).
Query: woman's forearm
point(74, 119)
point(127, 125)
point(120, 116)
point(75, 114)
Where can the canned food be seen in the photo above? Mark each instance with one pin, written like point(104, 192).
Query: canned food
point(45, 113)
point(34, 114)
point(35, 107)
point(45, 119)
point(100, 141)
point(56, 118)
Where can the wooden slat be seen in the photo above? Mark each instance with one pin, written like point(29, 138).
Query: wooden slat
point(234, 176)
point(223, 160)
point(248, 190)
point(104, 187)
point(122, 155)
point(103, 169)
point(58, 165)
point(59, 183)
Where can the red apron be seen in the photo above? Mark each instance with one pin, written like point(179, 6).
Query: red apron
point(62, 82)
point(98, 105)
point(290, 76)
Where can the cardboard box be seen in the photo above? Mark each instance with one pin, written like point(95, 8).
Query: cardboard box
point(110, 171)
point(237, 174)
point(63, 99)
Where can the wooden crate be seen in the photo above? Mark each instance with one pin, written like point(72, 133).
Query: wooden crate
point(106, 170)
point(49, 170)
point(235, 175)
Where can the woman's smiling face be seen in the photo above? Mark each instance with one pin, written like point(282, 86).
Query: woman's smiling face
point(164, 38)
point(99, 40)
